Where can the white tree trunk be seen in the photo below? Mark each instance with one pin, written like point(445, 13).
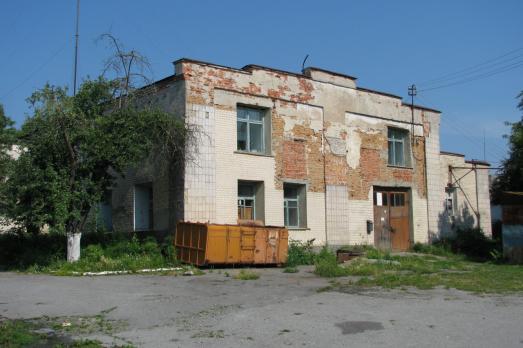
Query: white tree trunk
point(73, 246)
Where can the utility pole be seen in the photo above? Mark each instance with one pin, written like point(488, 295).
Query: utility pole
point(76, 46)
point(412, 93)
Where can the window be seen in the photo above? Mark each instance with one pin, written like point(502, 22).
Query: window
point(397, 199)
point(294, 205)
point(250, 200)
point(451, 201)
point(143, 207)
point(380, 198)
point(246, 201)
point(398, 147)
point(105, 212)
point(251, 134)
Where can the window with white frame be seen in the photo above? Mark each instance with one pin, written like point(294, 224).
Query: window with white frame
point(399, 149)
point(294, 205)
point(251, 130)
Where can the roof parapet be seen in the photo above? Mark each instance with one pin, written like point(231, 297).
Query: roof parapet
point(335, 78)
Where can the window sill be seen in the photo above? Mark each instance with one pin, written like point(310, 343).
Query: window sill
point(399, 167)
point(253, 153)
point(298, 228)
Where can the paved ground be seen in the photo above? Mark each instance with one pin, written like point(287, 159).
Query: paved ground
point(276, 310)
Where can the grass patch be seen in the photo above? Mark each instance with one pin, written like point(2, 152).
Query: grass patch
point(16, 333)
point(437, 266)
point(289, 269)
point(209, 334)
point(107, 252)
point(57, 333)
point(440, 249)
point(427, 272)
point(246, 275)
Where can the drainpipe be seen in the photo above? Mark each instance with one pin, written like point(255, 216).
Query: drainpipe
point(426, 185)
point(324, 173)
point(477, 196)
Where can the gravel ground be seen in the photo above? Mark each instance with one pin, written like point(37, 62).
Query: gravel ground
point(278, 309)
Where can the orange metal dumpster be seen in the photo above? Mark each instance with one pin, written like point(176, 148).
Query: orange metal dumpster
point(204, 244)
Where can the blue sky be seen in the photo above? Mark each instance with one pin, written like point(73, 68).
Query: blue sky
point(388, 45)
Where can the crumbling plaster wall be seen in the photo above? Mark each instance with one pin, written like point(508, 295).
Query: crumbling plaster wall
point(355, 147)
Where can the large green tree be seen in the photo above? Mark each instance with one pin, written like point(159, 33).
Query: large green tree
point(511, 174)
point(7, 137)
point(75, 147)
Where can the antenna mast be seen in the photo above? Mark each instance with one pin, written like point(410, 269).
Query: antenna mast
point(76, 46)
point(303, 64)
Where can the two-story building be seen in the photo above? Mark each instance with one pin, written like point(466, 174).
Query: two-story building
point(312, 151)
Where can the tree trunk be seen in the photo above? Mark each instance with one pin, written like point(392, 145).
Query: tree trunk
point(73, 246)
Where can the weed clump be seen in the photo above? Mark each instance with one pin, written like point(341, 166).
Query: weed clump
point(300, 253)
point(246, 275)
point(326, 265)
point(290, 269)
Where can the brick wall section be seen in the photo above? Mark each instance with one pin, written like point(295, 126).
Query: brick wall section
point(294, 162)
point(374, 166)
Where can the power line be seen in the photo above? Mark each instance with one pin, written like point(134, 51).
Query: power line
point(496, 156)
point(484, 69)
point(478, 77)
point(461, 127)
point(473, 68)
point(37, 70)
point(494, 151)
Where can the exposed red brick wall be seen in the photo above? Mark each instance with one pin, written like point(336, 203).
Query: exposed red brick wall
point(294, 161)
point(304, 159)
point(374, 168)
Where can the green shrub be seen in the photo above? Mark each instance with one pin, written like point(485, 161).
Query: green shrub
point(167, 249)
point(326, 265)
point(300, 253)
point(19, 251)
point(473, 243)
point(100, 252)
point(470, 242)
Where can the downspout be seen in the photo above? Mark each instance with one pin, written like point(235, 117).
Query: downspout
point(324, 174)
point(427, 187)
point(426, 177)
point(477, 196)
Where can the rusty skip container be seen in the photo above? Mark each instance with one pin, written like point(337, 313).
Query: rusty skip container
point(204, 244)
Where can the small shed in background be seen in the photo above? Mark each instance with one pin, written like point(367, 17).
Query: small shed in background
point(512, 225)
